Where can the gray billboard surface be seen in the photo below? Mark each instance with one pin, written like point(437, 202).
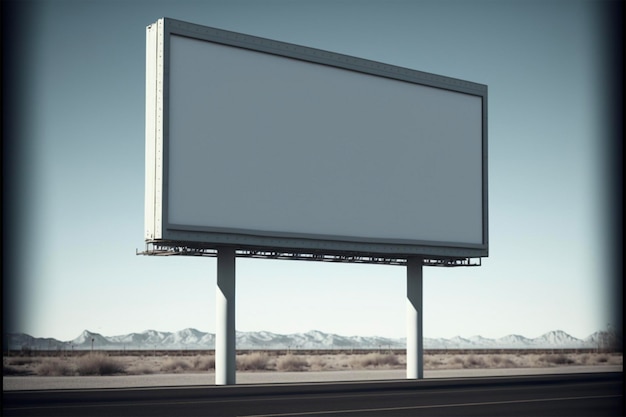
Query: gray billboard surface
point(256, 143)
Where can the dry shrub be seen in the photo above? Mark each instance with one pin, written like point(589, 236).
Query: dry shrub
point(331, 362)
point(475, 361)
point(53, 367)
point(616, 359)
point(142, 370)
point(21, 361)
point(15, 370)
point(432, 362)
point(458, 362)
point(376, 360)
point(498, 361)
point(203, 363)
point(256, 361)
point(292, 363)
point(19, 365)
point(559, 359)
point(602, 359)
point(99, 364)
point(175, 365)
point(318, 364)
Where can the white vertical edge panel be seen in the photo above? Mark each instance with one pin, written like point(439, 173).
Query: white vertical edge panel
point(154, 130)
point(160, 130)
point(150, 131)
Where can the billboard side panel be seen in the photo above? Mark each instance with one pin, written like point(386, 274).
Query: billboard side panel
point(155, 130)
point(150, 120)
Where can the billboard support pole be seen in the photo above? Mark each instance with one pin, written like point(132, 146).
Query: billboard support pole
point(414, 315)
point(225, 348)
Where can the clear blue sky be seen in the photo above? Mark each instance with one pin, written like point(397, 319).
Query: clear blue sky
point(73, 142)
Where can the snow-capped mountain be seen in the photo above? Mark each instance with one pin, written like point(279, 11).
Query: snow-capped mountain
point(556, 339)
point(514, 340)
point(88, 338)
point(559, 338)
point(314, 339)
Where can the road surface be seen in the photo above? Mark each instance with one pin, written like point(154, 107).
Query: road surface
point(593, 394)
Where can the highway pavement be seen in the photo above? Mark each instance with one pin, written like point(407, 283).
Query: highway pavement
point(581, 394)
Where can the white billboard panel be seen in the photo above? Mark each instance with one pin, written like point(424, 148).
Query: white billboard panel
point(258, 143)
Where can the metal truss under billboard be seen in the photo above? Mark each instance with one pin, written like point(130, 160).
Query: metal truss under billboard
point(271, 147)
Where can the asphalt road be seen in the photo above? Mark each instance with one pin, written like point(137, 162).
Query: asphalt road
point(597, 394)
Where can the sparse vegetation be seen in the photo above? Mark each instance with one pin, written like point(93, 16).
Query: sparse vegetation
point(99, 364)
point(19, 361)
point(501, 361)
point(475, 361)
point(603, 359)
point(140, 370)
point(175, 365)
point(270, 361)
point(8, 370)
point(558, 359)
point(317, 363)
point(257, 361)
point(54, 367)
point(376, 360)
point(458, 362)
point(432, 362)
point(291, 363)
point(204, 363)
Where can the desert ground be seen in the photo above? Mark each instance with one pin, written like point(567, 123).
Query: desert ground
point(180, 362)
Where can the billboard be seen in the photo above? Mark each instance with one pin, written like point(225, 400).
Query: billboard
point(255, 143)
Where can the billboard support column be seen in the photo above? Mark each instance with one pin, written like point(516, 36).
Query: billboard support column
point(414, 315)
point(225, 349)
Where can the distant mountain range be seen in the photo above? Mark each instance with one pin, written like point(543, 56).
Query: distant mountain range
point(195, 339)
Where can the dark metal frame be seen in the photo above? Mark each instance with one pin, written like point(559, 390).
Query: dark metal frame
point(171, 248)
point(195, 240)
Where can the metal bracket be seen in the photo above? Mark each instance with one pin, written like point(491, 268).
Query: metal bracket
point(168, 248)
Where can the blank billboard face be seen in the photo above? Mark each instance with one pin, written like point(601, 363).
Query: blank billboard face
point(256, 143)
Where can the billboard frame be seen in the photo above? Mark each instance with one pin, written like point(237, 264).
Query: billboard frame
point(159, 231)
